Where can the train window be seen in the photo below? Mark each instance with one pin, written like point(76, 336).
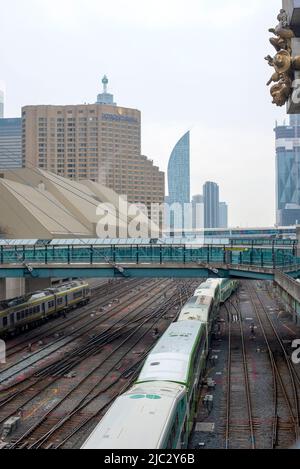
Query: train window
point(78, 295)
point(5, 321)
point(18, 316)
point(30, 312)
point(38, 309)
point(22, 314)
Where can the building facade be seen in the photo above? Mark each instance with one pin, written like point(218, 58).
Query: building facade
point(100, 142)
point(10, 143)
point(288, 172)
point(179, 172)
point(211, 205)
point(198, 212)
point(223, 215)
point(1, 104)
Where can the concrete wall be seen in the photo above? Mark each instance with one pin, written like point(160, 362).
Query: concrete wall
point(34, 284)
point(289, 291)
point(11, 287)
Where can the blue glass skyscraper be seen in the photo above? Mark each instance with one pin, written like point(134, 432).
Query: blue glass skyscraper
point(10, 143)
point(179, 172)
point(288, 172)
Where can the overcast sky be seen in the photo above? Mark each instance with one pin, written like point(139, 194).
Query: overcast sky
point(193, 64)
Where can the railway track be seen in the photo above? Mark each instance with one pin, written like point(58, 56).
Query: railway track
point(55, 346)
point(87, 400)
point(285, 429)
point(240, 428)
point(101, 297)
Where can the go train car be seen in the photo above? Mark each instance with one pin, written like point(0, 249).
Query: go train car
point(150, 415)
point(158, 412)
point(20, 313)
point(227, 287)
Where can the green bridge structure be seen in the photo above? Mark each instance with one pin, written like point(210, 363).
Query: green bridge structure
point(256, 259)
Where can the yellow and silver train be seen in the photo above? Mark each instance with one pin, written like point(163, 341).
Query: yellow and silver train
point(20, 313)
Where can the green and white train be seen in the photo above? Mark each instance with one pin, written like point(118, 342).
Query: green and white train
point(158, 411)
point(19, 314)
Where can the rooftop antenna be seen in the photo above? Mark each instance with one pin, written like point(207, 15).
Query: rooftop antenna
point(105, 83)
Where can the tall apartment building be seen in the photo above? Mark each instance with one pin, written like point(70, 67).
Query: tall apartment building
point(100, 142)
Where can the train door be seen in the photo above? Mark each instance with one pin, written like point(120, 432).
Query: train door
point(44, 309)
point(12, 320)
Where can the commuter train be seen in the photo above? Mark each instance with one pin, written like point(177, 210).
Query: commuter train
point(19, 314)
point(158, 411)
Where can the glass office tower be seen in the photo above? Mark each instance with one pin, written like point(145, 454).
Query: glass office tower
point(10, 143)
point(288, 172)
point(179, 185)
point(211, 205)
point(179, 172)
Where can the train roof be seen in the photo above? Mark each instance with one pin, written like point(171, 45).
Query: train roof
point(205, 292)
point(213, 282)
point(170, 359)
point(67, 286)
point(196, 310)
point(138, 419)
point(12, 302)
point(198, 301)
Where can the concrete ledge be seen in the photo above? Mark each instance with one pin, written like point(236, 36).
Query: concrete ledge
point(289, 291)
point(288, 284)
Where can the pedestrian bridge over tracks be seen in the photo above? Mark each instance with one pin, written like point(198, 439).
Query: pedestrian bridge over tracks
point(146, 258)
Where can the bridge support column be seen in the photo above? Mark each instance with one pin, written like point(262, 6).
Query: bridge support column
point(35, 284)
point(2, 289)
point(11, 287)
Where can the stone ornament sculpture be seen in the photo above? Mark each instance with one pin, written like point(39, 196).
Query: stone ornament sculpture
point(283, 33)
point(284, 63)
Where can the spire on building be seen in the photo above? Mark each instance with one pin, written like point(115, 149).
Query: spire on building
point(105, 97)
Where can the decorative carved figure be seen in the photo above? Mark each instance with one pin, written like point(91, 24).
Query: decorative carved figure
point(283, 62)
point(281, 91)
point(283, 33)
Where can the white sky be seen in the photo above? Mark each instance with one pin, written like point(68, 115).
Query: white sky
point(195, 64)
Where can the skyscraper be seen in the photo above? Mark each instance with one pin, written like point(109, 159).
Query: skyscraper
point(10, 143)
point(288, 172)
point(223, 215)
point(211, 205)
point(1, 104)
point(100, 142)
point(179, 172)
point(198, 212)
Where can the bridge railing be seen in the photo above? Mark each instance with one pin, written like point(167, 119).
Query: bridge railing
point(139, 254)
